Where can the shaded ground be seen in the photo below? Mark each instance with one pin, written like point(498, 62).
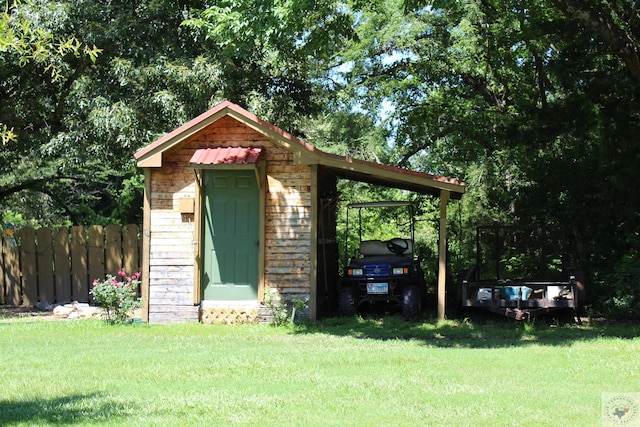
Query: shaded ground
point(13, 313)
point(16, 313)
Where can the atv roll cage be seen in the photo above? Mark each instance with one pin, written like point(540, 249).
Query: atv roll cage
point(367, 205)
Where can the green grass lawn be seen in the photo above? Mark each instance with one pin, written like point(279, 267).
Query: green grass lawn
point(340, 372)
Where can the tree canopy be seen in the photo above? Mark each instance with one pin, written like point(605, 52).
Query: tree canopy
point(533, 103)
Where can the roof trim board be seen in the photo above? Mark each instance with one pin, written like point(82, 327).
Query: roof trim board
point(304, 153)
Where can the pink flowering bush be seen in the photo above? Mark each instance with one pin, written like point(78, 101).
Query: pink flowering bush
point(117, 295)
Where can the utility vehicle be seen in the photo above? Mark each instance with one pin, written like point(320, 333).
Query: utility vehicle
point(382, 271)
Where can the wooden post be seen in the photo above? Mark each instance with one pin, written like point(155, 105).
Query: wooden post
point(130, 252)
point(3, 271)
point(13, 282)
point(113, 249)
point(62, 265)
point(79, 272)
point(46, 278)
point(29, 272)
point(313, 272)
point(442, 253)
point(146, 238)
point(95, 254)
point(197, 236)
point(262, 233)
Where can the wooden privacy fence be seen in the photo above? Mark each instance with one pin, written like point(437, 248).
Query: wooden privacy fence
point(59, 265)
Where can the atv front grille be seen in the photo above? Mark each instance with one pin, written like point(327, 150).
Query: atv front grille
point(377, 270)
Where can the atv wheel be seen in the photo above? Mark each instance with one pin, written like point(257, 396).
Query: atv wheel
point(347, 301)
point(411, 302)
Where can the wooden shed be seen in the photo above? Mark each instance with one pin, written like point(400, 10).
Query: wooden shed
point(234, 205)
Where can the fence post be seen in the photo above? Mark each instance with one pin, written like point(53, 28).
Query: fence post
point(10, 292)
point(61, 265)
point(3, 269)
point(79, 271)
point(95, 250)
point(45, 265)
point(14, 296)
point(29, 272)
point(113, 249)
point(131, 255)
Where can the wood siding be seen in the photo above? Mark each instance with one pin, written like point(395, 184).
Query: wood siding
point(173, 237)
point(171, 246)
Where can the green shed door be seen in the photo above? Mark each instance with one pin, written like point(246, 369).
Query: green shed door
point(230, 235)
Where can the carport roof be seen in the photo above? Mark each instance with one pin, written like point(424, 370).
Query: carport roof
point(304, 153)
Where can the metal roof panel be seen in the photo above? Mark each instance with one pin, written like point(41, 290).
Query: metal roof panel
point(226, 155)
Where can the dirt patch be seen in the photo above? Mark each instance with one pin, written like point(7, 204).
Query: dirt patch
point(70, 311)
point(17, 313)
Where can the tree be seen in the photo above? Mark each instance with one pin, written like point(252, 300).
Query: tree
point(616, 24)
point(30, 48)
point(273, 56)
point(532, 103)
point(75, 134)
point(76, 119)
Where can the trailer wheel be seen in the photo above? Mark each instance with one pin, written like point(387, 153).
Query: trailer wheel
point(411, 302)
point(347, 301)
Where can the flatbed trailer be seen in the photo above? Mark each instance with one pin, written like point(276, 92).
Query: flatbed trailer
point(520, 299)
point(543, 298)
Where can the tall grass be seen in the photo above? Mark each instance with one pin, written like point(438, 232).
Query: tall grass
point(335, 373)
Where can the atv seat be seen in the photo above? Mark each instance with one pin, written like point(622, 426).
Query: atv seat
point(379, 247)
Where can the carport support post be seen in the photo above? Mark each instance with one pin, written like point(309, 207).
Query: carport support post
point(442, 253)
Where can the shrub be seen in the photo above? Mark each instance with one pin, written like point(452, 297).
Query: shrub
point(279, 308)
point(618, 293)
point(117, 295)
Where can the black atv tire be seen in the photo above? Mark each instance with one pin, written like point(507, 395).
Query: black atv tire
point(347, 301)
point(411, 302)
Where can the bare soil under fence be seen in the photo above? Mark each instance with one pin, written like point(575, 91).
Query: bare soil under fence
point(16, 313)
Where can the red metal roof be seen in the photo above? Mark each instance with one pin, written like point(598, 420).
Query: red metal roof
point(226, 155)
